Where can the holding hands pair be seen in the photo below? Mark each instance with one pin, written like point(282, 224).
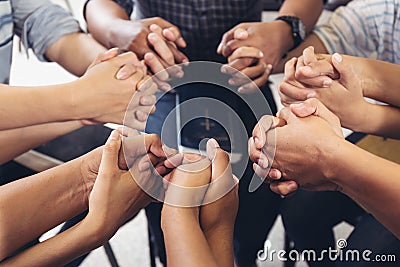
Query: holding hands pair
point(116, 194)
point(320, 93)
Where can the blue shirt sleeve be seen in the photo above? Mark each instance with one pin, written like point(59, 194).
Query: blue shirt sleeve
point(41, 23)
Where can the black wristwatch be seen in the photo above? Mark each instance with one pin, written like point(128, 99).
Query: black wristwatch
point(298, 29)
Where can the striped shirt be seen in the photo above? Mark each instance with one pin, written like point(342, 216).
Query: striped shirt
point(39, 23)
point(364, 28)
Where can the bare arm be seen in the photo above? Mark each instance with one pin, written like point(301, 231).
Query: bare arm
point(59, 250)
point(74, 52)
point(34, 205)
point(308, 11)
point(109, 23)
point(274, 39)
point(370, 180)
point(153, 39)
point(92, 96)
point(191, 248)
point(15, 142)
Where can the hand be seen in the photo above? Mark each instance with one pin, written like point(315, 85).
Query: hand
point(315, 70)
point(188, 182)
point(344, 96)
point(221, 198)
point(245, 64)
point(115, 197)
point(302, 147)
point(108, 86)
point(156, 40)
point(273, 39)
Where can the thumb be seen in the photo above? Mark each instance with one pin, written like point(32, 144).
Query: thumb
point(240, 34)
point(109, 159)
point(347, 74)
point(113, 52)
point(315, 107)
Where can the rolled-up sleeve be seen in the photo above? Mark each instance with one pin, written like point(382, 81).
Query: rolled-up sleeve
point(41, 23)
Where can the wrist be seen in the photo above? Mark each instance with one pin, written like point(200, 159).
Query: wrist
point(79, 105)
point(330, 155)
point(285, 36)
point(364, 118)
point(122, 34)
point(175, 217)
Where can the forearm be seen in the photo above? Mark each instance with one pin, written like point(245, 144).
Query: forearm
point(58, 250)
point(33, 205)
point(75, 52)
point(311, 40)
point(381, 120)
point(370, 180)
point(109, 23)
point(221, 243)
point(185, 242)
point(307, 10)
point(16, 142)
point(380, 80)
point(34, 105)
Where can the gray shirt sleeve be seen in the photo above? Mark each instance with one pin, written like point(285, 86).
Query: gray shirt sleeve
point(40, 23)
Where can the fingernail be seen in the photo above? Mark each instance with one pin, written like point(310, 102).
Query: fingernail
point(212, 146)
point(219, 47)
point(327, 83)
point(144, 166)
point(231, 82)
point(149, 56)
point(263, 163)
point(297, 105)
point(213, 143)
point(241, 90)
point(224, 69)
point(169, 151)
point(153, 27)
point(114, 135)
point(292, 186)
point(122, 75)
point(152, 36)
point(276, 174)
point(112, 49)
point(256, 140)
point(180, 74)
point(337, 57)
point(311, 95)
point(165, 87)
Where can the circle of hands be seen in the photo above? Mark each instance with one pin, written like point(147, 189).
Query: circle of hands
point(131, 170)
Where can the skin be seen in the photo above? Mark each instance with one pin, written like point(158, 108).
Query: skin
point(329, 156)
point(209, 228)
point(273, 39)
point(154, 40)
point(341, 86)
point(83, 99)
point(92, 181)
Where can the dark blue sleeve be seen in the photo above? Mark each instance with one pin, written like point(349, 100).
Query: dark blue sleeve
point(127, 5)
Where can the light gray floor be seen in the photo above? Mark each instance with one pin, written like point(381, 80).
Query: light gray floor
point(130, 244)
